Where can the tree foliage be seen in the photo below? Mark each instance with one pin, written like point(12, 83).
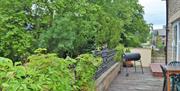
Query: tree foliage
point(136, 31)
point(69, 27)
point(88, 24)
point(15, 42)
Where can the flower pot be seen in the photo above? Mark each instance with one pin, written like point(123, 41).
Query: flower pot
point(128, 64)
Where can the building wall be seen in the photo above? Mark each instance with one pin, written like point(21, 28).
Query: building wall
point(170, 49)
point(145, 55)
point(174, 7)
point(173, 15)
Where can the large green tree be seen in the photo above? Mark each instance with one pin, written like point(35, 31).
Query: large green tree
point(15, 41)
point(73, 29)
point(136, 31)
point(126, 22)
point(69, 27)
point(21, 23)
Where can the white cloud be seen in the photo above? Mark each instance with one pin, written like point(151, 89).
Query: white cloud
point(155, 11)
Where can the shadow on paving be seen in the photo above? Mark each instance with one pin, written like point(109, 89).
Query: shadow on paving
point(136, 81)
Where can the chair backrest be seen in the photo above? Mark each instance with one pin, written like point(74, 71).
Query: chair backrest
point(163, 71)
point(174, 63)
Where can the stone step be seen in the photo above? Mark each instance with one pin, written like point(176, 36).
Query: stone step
point(156, 69)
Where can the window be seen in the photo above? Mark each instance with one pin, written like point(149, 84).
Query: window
point(176, 41)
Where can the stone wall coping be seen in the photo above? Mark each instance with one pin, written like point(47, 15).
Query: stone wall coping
point(141, 48)
point(105, 74)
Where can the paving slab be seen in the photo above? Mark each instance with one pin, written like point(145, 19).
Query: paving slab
point(136, 81)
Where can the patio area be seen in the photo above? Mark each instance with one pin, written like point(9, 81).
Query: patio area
point(136, 81)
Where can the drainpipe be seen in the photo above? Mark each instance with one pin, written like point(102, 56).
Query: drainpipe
point(167, 32)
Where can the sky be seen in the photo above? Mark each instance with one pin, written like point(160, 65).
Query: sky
point(155, 12)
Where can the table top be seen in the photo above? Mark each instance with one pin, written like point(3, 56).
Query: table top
point(172, 68)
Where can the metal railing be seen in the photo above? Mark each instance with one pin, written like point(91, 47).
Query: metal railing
point(108, 60)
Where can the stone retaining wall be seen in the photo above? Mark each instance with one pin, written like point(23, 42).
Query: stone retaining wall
point(104, 81)
point(158, 59)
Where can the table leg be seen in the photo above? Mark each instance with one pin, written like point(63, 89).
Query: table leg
point(168, 82)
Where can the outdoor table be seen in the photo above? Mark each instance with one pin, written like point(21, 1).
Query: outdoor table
point(171, 70)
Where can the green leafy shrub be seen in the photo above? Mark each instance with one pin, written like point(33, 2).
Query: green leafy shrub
point(11, 76)
point(40, 51)
point(86, 67)
point(159, 44)
point(15, 44)
point(42, 73)
point(119, 52)
point(127, 50)
point(47, 72)
point(6, 66)
point(50, 73)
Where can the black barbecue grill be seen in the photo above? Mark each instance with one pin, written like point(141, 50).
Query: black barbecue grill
point(136, 57)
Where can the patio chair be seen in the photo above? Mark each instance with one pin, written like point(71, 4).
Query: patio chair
point(174, 63)
point(176, 76)
point(177, 82)
point(165, 78)
point(172, 78)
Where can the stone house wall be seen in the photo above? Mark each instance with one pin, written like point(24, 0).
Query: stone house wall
point(173, 15)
